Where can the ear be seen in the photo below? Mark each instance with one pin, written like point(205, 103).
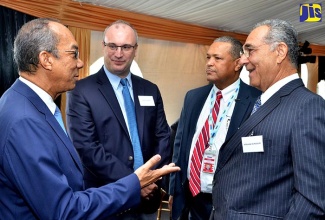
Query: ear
point(282, 50)
point(135, 51)
point(238, 64)
point(46, 60)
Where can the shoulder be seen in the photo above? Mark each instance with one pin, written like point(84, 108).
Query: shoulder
point(89, 83)
point(250, 90)
point(142, 81)
point(202, 89)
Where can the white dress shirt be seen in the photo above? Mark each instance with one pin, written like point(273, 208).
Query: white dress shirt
point(206, 180)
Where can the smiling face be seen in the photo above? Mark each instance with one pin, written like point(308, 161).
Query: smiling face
point(221, 68)
point(262, 63)
point(119, 61)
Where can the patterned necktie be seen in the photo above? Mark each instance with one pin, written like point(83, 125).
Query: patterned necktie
point(130, 113)
point(198, 151)
point(58, 117)
point(256, 105)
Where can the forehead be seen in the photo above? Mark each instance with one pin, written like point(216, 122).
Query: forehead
point(64, 34)
point(120, 32)
point(219, 48)
point(256, 37)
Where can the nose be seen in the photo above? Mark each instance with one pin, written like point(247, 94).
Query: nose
point(118, 52)
point(209, 62)
point(80, 63)
point(243, 60)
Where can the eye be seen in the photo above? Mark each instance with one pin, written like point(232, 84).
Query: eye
point(126, 47)
point(250, 51)
point(76, 54)
point(112, 46)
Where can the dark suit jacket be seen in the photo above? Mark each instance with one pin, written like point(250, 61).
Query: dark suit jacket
point(286, 181)
point(193, 104)
point(96, 125)
point(40, 172)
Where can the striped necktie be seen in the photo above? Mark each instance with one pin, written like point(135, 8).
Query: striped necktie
point(198, 151)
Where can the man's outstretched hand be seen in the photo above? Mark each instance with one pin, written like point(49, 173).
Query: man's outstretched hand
point(147, 176)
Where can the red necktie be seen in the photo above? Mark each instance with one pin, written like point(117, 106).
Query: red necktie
point(200, 146)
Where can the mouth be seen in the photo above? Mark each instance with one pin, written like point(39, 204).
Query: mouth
point(209, 71)
point(118, 62)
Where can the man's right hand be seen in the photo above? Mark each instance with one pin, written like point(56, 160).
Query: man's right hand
point(147, 176)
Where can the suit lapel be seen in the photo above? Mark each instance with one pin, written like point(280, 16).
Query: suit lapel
point(138, 89)
point(195, 105)
point(41, 107)
point(243, 107)
point(109, 95)
point(247, 127)
point(64, 138)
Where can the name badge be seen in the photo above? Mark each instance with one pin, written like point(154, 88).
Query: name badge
point(252, 144)
point(146, 101)
point(209, 161)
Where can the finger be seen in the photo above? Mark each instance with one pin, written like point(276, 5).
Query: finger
point(152, 161)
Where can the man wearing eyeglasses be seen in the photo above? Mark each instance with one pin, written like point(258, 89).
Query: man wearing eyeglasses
point(211, 114)
point(117, 121)
point(274, 165)
point(41, 175)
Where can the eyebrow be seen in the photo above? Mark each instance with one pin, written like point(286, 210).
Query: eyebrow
point(74, 46)
point(213, 55)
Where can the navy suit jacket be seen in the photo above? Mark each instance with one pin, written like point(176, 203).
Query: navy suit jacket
point(99, 132)
point(286, 181)
point(41, 174)
point(193, 104)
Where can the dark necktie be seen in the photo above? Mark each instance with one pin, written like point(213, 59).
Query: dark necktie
point(256, 105)
point(132, 122)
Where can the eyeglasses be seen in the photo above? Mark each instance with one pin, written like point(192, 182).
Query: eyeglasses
point(247, 51)
point(125, 47)
point(75, 52)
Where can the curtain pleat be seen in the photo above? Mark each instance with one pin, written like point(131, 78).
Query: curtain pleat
point(10, 22)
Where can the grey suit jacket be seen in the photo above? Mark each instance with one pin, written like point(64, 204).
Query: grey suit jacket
point(286, 181)
point(193, 104)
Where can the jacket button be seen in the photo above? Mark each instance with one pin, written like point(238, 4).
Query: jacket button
point(130, 158)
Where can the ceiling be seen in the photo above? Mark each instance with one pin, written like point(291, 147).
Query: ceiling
point(227, 15)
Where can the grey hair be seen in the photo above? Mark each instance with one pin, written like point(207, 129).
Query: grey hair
point(236, 45)
point(33, 37)
point(121, 22)
point(282, 31)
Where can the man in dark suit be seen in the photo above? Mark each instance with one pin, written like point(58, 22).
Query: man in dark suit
point(222, 69)
point(98, 121)
point(41, 175)
point(273, 166)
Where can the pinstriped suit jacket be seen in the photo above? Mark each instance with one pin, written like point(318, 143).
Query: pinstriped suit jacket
point(193, 104)
point(286, 181)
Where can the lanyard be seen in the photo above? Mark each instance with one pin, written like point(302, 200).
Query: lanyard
point(214, 130)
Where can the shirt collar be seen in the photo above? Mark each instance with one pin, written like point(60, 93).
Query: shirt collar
point(228, 91)
point(115, 80)
point(277, 86)
point(47, 99)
